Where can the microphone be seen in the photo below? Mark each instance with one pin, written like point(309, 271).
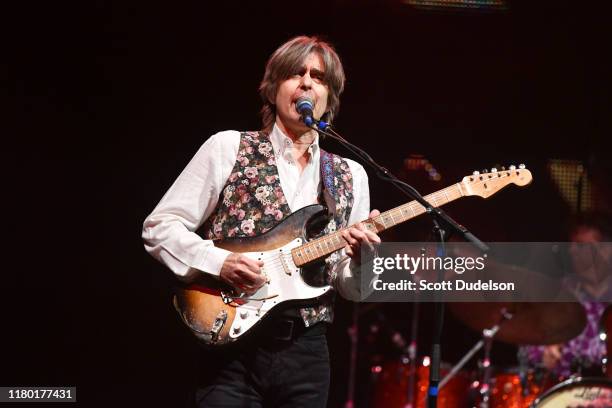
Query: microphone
point(304, 106)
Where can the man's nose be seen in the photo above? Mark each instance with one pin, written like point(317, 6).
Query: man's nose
point(306, 81)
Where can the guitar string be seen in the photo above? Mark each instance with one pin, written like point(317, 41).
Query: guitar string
point(398, 211)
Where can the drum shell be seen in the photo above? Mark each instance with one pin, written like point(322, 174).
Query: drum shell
point(605, 330)
point(507, 389)
point(578, 392)
point(392, 387)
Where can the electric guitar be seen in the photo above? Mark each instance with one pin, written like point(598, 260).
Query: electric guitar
point(217, 315)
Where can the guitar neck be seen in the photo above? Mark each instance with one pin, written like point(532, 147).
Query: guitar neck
point(323, 246)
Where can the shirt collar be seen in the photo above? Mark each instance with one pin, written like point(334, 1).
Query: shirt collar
point(282, 144)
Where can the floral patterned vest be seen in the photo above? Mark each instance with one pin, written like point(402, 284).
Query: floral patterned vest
point(252, 202)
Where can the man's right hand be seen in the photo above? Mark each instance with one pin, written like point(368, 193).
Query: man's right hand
point(242, 273)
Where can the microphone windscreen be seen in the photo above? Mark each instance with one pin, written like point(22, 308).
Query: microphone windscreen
point(304, 105)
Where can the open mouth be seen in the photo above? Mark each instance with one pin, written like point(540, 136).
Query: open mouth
point(295, 100)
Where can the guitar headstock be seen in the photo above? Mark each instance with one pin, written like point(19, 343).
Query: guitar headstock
point(487, 183)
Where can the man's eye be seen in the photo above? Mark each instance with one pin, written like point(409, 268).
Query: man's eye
point(299, 73)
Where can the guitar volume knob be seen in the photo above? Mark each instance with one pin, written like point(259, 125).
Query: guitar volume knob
point(244, 314)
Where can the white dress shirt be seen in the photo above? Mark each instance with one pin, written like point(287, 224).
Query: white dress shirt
point(169, 231)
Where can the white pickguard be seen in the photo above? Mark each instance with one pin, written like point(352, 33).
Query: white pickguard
point(285, 283)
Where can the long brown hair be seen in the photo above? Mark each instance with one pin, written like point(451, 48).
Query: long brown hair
point(289, 58)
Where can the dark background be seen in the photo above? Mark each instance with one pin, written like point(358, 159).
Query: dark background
point(107, 101)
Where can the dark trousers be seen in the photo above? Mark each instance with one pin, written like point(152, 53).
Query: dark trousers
point(266, 371)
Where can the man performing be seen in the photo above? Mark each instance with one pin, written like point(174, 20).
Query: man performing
point(590, 280)
point(242, 184)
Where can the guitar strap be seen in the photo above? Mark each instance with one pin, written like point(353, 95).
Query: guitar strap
point(334, 190)
point(327, 175)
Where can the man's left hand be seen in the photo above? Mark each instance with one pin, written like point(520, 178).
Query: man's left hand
point(359, 236)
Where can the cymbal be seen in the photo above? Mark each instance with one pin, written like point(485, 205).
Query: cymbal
point(531, 323)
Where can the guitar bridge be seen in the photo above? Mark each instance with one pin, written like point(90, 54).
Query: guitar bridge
point(218, 325)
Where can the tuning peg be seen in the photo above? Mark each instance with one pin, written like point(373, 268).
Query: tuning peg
point(475, 173)
point(493, 170)
point(503, 168)
point(521, 166)
point(513, 167)
point(485, 170)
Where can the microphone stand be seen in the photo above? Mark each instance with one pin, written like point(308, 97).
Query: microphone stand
point(436, 352)
point(442, 222)
point(407, 189)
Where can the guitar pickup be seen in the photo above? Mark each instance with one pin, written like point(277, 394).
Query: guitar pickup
point(284, 262)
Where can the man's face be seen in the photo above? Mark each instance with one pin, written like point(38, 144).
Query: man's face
point(308, 81)
point(591, 257)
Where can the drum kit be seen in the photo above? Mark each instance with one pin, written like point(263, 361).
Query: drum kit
point(404, 383)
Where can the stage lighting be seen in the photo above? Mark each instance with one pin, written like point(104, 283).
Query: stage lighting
point(572, 181)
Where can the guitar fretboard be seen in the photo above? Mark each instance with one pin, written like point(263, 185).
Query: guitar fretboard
point(323, 246)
